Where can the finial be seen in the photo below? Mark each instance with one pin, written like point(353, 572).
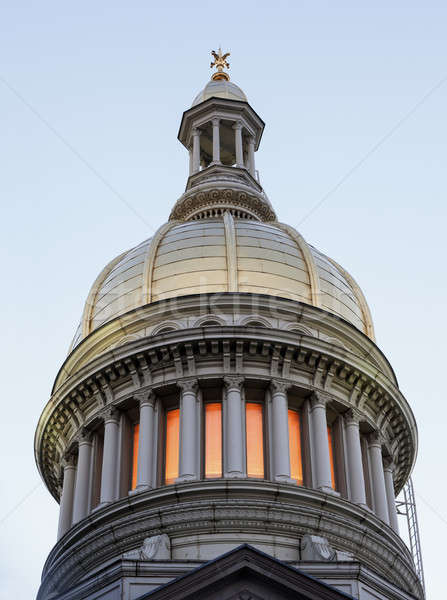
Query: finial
point(220, 61)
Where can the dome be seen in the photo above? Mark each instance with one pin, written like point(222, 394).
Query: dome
point(223, 254)
point(220, 89)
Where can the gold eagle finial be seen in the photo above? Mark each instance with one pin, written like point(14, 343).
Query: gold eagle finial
point(220, 62)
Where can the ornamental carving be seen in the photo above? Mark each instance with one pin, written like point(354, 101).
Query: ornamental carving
point(218, 198)
point(188, 386)
point(233, 383)
point(315, 547)
point(279, 387)
point(156, 547)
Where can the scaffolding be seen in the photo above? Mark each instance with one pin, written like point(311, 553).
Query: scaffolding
point(407, 507)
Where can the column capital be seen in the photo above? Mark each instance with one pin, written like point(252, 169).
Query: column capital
point(84, 436)
point(233, 383)
point(352, 417)
point(68, 461)
point(111, 414)
point(237, 125)
point(215, 121)
point(251, 140)
point(188, 386)
point(196, 132)
point(389, 465)
point(318, 400)
point(375, 440)
point(145, 397)
point(279, 387)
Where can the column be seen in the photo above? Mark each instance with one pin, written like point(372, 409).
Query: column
point(216, 142)
point(66, 504)
point(355, 464)
point(320, 453)
point(188, 430)
point(378, 478)
point(191, 168)
point(110, 456)
point(234, 435)
point(196, 150)
point(238, 144)
point(251, 157)
point(82, 485)
point(280, 432)
point(145, 441)
point(391, 499)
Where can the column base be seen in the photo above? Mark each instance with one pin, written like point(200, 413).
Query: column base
point(184, 478)
point(329, 491)
point(215, 162)
point(283, 479)
point(139, 489)
point(101, 505)
point(234, 475)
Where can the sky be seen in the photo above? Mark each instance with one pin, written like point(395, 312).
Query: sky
point(353, 155)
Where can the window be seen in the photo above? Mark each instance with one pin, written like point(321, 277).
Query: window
point(331, 455)
point(213, 440)
point(172, 445)
point(135, 439)
point(255, 439)
point(296, 464)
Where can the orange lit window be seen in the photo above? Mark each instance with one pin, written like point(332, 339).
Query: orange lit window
point(255, 440)
point(172, 445)
point(213, 440)
point(331, 455)
point(136, 431)
point(296, 465)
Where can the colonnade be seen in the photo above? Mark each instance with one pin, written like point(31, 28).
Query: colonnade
point(249, 163)
point(77, 478)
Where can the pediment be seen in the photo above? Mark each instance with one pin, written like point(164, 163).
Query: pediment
point(245, 574)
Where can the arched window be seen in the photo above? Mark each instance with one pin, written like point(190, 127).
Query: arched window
point(254, 427)
point(296, 463)
point(331, 455)
point(213, 440)
point(172, 445)
point(135, 439)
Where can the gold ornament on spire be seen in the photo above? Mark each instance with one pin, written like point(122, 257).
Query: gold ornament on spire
point(220, 62)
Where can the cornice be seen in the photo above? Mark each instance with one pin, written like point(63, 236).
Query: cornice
point(306, 363)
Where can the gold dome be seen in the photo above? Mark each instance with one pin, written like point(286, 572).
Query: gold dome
point(220, 88)
point(223, 254)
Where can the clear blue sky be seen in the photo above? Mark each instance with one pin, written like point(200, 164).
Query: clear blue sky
point(91, 97)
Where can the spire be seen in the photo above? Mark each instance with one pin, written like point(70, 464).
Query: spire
point(220, 62)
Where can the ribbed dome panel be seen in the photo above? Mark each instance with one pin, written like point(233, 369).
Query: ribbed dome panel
point(195, 258)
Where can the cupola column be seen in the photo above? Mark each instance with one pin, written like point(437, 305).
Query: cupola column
point(280, 432)
point(145, 441)
point(110, 456)
point(355, 464)
point(378, 478)
point(196, 150)
point(82, 485)
point(251, 157)
point(66, 505)
point(188, 430)
point(234, 436)
point(323, 480)
point(238, 144)
point(216, 141)
point(191, 166)
point(391, 498)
